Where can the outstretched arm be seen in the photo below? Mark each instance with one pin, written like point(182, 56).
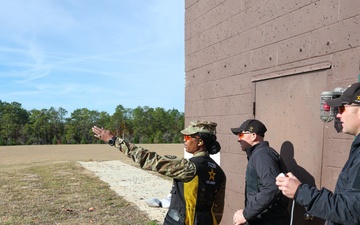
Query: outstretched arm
point(181, 169)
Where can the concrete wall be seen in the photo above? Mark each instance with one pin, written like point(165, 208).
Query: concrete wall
point(270, 60)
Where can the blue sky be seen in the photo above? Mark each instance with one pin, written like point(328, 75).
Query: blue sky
point(92, 54)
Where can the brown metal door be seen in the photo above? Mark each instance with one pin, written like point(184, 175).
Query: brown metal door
point(289, 107)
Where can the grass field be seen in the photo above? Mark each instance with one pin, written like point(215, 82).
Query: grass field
point(45, 185)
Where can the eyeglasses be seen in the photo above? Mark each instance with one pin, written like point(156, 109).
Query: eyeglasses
point(242, 134)
point(342, 108)
point(188, 137)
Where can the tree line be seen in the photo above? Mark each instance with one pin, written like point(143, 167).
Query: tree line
point(52, 126)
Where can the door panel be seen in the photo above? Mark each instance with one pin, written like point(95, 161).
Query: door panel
point(289, 107)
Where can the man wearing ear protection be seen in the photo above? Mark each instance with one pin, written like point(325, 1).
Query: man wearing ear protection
point(197, 196)
point(264, 203)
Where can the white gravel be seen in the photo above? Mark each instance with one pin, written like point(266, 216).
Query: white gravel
point(134, 184)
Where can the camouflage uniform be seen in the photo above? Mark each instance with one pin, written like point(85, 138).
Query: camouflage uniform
point(181, 170)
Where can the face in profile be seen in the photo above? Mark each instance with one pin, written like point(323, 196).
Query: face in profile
point(191, 143)
point(245, 139)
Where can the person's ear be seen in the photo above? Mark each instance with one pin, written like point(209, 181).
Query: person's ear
point(200, 143)
point(254, 136)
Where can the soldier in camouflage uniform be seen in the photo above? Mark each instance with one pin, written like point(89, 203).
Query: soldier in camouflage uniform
point(198, 183)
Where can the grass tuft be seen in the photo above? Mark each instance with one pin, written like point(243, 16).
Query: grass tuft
point(62, 193)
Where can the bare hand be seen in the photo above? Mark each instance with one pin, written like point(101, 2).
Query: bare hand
point(100, 133)
point(288, 185)
point(238, 217)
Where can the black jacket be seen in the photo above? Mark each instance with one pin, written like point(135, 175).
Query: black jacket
point(263, 203)
point(342, 206)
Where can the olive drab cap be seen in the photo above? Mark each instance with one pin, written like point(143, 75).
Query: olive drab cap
point(206, 127)
point(350, 95)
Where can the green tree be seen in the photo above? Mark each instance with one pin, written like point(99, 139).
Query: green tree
point(120, 122)
point(57, 122)
point(80, 123)
point(51, 126)
point(175, 125)
point(12, 121)
point(142, 124)
point(38, 128)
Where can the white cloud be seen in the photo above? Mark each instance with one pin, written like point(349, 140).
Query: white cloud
point(69, 53)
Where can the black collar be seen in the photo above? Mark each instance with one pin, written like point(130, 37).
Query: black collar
point(250, 150)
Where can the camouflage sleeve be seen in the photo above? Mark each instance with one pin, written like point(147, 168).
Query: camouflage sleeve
point(181, 169)
point(219, 202)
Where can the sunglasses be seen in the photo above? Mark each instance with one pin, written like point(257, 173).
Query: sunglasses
point(342, 108)
point(242, 134)
point(188, 137)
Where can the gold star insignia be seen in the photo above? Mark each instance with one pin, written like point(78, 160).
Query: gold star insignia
point(358, 98)
point(212, 175)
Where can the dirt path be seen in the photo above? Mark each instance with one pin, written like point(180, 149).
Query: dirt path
point(135, 185)
point(106, 162)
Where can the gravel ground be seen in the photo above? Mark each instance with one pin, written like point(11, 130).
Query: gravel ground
point(134, 184)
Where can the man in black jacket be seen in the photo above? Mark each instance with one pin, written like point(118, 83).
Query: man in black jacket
point(342, 206)
point(263, 201)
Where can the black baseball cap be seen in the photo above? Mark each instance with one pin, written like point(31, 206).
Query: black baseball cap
point(252, 125)
point(350, 95)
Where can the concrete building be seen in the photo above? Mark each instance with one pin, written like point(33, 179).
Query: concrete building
point(271, 60)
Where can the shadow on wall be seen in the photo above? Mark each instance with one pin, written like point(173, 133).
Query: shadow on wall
point(299, 214)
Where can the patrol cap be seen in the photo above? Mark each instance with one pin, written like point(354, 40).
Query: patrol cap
point(206, 127)
point(252, 125)
point(350, 95)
